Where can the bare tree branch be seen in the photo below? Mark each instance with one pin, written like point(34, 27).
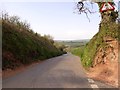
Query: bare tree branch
point(84, 7)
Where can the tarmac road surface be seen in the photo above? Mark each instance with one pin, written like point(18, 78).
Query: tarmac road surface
point(64, 71)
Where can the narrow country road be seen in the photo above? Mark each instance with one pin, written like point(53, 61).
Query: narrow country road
point(60, 72)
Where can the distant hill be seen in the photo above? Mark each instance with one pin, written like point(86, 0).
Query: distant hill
point(20, 45)
point(74, 43)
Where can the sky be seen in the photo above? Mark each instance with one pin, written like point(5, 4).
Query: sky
point(58, 19)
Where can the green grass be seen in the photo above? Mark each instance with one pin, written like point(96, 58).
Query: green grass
point(78, 51)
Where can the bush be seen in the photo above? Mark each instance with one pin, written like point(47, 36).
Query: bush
point(24, 46)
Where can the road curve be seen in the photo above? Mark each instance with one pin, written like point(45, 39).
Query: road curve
point(60, 72)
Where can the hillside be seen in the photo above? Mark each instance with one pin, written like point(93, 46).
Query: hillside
point(100, 55)
point(101, 42)
point(21, 46)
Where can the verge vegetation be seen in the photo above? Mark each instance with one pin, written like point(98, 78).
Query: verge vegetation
point(108, 29)
point(21, 45)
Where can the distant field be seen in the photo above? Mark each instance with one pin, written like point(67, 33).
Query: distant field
point(74, 43)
